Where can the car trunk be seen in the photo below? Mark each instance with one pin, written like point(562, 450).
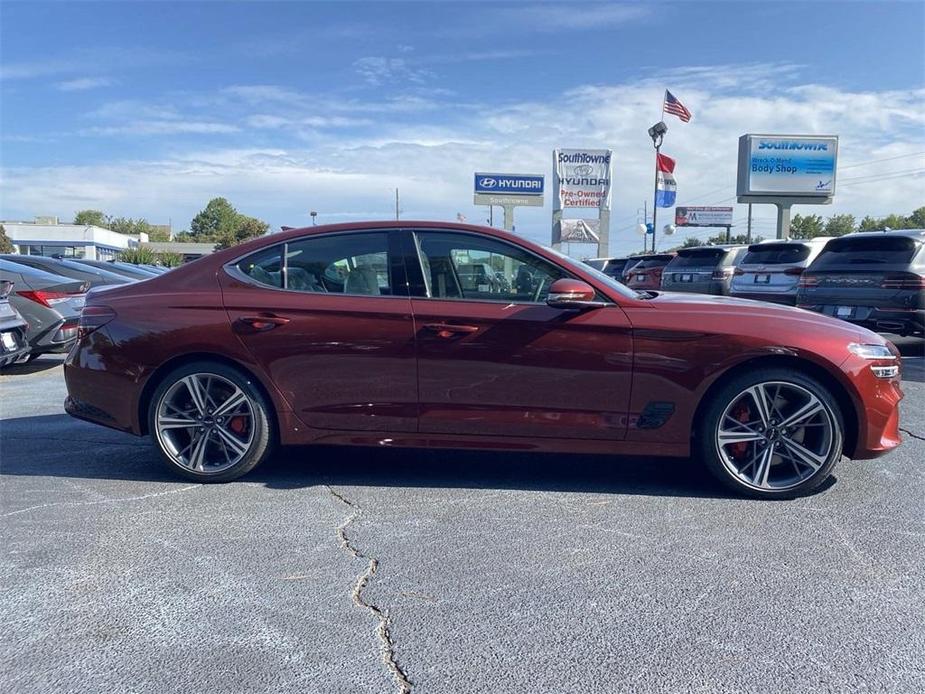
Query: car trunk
point(851, 275)
point(771, 268)
point(692, 271)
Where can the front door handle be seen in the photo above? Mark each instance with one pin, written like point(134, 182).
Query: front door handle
point(450, 329)
point(262, 323)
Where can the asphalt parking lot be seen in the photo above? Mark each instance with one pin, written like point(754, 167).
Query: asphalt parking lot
point(346, 570)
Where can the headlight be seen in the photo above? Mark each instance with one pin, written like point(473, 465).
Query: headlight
point(871, 351)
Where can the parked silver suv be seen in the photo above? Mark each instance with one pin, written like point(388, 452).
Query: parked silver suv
point(771, 270)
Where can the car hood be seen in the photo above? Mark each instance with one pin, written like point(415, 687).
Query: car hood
point(773, 315)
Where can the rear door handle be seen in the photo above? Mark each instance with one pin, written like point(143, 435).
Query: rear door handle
point(449, 329)
point(262, 323)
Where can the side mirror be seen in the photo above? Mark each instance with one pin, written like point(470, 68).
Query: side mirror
point(574, 294)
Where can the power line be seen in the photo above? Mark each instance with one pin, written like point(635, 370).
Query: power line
point(877, 161)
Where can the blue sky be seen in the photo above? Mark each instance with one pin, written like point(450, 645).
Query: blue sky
point(151, 108)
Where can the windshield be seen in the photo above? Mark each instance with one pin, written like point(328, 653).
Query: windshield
point(577, 265)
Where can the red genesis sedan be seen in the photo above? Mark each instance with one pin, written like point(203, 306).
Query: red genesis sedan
point(380, 334)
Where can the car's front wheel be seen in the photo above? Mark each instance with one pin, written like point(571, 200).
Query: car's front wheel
point(771, 433)
point(210, 422)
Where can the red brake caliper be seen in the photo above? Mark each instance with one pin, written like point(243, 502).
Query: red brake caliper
point(742, 413)
point(237, 424)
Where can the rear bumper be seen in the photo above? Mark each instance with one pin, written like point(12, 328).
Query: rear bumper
point(714, 288)
point(784, 298)
point(893, 320)
point(21, 347)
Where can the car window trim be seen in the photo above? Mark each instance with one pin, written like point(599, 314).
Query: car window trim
point(231, 268)
point(413, 233)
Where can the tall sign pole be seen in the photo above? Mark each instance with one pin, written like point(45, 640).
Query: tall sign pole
point(657, 133)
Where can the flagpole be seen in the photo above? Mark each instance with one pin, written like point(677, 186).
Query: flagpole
point(655, 196)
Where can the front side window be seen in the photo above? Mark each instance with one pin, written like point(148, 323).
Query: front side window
point(357, 264)
point(467, 267)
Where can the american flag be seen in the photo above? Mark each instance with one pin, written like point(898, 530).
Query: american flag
point(675, 107)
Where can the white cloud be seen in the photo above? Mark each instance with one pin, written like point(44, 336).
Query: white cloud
point(163, 127)
point(430, 148)
point(379, 70)
point(566, 16)
point(84, 83)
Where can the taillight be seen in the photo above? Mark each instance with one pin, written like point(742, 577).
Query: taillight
point(721, 274)
point(903, 280)
point(92, 318)
point(809, 280)
point(68, 331)
point(739, 272)
point(794, 271)
point(47, 298)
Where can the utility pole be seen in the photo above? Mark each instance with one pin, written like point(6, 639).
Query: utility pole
point(397, 210)
point(748, 236)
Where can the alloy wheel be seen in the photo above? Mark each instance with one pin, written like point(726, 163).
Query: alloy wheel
point(775, 435)
point(205, 423)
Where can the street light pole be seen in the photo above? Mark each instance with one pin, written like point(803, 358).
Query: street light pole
point(657, 133)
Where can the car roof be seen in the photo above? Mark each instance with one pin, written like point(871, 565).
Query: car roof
point(800, 242)
point(34, 273)
point(912, 233)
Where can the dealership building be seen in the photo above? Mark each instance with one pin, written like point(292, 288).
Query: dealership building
point(45, 236)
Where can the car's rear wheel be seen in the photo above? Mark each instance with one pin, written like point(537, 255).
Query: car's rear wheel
point(210, 422)
point(771, 433)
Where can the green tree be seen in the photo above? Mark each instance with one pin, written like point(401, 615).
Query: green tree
point(217, 219)
point(691, 242)
point(917, 219)
point(94, 217)
point(222, 223)
point(6, 246)
point(869, 224)
point(807, 227)
point(895, 221)
point(839, 225)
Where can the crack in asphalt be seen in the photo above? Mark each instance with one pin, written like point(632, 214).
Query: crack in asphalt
point(909, 433)
point(383, 630)
point(101, 501)
point(75, 440)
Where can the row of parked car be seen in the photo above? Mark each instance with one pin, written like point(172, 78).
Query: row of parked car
point(41, 299)
point(875, 279)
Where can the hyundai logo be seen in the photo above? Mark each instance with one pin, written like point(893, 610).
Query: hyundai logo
point(488, 182)
point(583, 170)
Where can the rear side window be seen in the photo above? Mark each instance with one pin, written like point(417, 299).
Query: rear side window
point(776, 254)
point(264, 267)
point(357, 264)
point(699, 258)
point(872, 250)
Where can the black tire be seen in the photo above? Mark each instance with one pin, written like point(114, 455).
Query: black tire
point(262, 442)
point(721, 463)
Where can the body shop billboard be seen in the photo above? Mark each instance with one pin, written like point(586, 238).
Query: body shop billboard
point(787, 165)
point(582, 177)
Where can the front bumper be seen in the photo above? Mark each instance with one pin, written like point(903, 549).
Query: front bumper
point(877, 407)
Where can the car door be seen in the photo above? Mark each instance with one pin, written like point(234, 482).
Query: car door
point(328, 318)
point(495, 359)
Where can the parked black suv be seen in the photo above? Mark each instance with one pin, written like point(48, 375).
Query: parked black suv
point(875, 279)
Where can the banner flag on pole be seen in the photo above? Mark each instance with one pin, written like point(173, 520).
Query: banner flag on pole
point(667, 187)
